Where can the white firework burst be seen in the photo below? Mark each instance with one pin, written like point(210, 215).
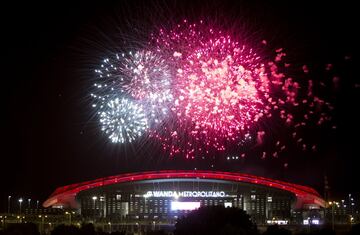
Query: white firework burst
point(142, 75)
point(123, 120)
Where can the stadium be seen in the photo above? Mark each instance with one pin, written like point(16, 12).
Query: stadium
point(167, 195)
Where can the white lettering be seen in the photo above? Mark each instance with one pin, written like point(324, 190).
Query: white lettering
point(177, 194)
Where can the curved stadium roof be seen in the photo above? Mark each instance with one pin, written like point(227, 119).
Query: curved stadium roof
point(65, 196)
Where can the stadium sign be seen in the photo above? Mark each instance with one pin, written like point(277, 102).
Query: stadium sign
point(185, 194)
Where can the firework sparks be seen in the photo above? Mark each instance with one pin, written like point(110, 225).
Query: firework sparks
point(123, 120)
point(198, 89)
point(219, 90)
point(145, 75)
point(142, 76)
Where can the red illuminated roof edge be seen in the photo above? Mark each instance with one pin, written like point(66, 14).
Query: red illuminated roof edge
point(73, 189)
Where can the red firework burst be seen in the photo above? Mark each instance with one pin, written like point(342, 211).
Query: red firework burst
point(223, 90)
point(220, 90)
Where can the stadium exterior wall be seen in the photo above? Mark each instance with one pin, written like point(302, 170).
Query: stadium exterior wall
point(306, 197)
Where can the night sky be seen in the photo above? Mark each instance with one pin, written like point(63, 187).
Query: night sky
point(50, 137)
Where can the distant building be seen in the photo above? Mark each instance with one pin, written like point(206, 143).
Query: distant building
point(344, 211)
point(44, 211)
point(166, 195)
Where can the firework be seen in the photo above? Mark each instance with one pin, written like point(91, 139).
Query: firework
point(123, 120)
point(225, 93)
point(200, 89)
point(141, 75)
point(220, 91)
point(145, 75)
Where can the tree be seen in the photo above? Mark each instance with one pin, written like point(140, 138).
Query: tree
point(276, 230)
point(355, 229)
point(22, 229)
point(65, 230)
point(87, 229)
point(216, 220)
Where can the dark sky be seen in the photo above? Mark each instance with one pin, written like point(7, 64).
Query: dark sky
point(49, 52)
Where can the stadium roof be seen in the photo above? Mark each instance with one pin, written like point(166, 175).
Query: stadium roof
point(65, 196)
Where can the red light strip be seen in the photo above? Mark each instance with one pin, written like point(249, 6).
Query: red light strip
point(62, 195)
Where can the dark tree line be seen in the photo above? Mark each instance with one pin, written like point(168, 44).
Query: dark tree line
point(216, 220)
point(204, 221)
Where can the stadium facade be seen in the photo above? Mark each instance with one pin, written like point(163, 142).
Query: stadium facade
point(166, 195)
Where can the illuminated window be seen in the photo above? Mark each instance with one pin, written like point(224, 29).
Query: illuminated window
point(253, 197)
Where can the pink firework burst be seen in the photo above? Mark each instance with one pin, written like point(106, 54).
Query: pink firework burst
point(146, 75)
point(221, 86)
point(226, 94)
point(221, 89)
point(206, 92)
